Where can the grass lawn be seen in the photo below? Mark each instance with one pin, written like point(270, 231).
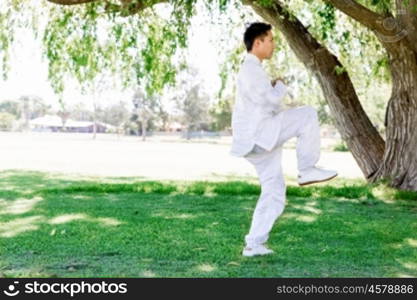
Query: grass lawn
point(54, 225)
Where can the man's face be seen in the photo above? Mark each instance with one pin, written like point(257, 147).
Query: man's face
point(265, 45)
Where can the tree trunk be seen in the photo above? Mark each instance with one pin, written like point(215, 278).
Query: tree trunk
point(26, 114)
point(94, 129)
point(362, 138)
point(94, 112)
point(399, 164)
point(144, 130)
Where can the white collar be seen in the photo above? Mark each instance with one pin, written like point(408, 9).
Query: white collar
point(254, 58)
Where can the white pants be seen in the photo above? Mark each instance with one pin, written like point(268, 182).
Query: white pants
point(299, 122)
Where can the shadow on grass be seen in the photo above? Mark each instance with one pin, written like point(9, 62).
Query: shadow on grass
point(57, 226)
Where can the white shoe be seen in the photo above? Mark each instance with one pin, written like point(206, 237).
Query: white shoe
point(314, 175)
point(256, 250)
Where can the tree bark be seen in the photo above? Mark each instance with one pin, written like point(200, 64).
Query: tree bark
point(362, 138)
point(399, 164)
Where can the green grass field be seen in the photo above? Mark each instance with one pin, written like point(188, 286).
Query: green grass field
point(54, 225)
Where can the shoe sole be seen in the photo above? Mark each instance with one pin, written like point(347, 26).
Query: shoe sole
point(317, 181)
point(257, 254)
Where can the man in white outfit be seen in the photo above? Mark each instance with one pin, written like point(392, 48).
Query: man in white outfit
point(261, 126)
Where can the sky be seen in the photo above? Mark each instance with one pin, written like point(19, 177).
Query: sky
point(29, 72)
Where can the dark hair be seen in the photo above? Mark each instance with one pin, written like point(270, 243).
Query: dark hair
point(253, 31)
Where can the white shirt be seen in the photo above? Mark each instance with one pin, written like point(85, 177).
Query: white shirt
point(255, 117)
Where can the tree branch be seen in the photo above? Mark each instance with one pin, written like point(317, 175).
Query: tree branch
point(131, 7)
point(125, 8)
point(362, 14)
point(389, 29)
point(71, 2)
point(407, 14)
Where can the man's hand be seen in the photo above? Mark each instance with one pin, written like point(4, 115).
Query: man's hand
point(274, 82)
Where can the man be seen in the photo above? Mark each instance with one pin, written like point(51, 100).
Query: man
point(261, 126)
